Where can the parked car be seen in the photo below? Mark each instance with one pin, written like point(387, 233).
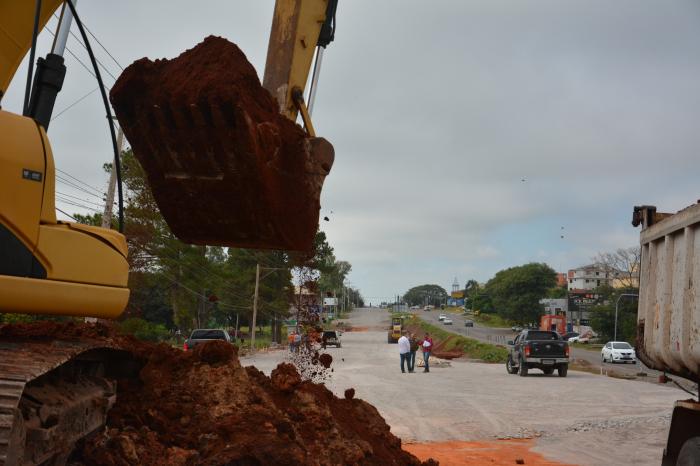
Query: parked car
point(516, 328)
point(569, 335)
point(415, 307)
point(618, 351)
point(442, 317)
point(202, 335)
point(447, 321)
point(468, 323)
point(538, 349)
point(330, 338)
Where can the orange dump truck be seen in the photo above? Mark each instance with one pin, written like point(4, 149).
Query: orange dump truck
point(552, 323)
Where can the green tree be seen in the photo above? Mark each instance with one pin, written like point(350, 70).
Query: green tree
point(602, 317)
point(516, 292)
point(425, 294)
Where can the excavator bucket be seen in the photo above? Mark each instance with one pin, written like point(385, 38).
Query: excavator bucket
point(225, 167)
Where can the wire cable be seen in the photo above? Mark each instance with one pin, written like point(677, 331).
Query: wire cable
point(74, 104)
point(98, 41)
point(100, 192)
point(117, 162)
point(78, 198)
point(69, 183)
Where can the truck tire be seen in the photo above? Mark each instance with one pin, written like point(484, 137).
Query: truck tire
point(523, 368)
point(690, 453)
point(548, 370)
point(509, 366)
point(562, 370)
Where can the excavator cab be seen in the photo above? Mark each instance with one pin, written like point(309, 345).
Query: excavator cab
point(46, 266)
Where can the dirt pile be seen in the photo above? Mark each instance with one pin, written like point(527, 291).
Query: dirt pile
point(225, 167)
point(203, 407)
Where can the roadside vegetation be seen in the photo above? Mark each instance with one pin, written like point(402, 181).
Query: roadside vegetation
point(471, 348)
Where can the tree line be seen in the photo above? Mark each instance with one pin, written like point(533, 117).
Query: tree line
point(181, 286)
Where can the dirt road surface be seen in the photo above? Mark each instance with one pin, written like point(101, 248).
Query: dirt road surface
point(581, 419)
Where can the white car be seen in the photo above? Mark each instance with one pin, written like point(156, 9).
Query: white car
point(447, 321)
point(618, 351)
point(442, 317)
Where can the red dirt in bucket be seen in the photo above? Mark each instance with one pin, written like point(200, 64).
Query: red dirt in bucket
point(225, 167)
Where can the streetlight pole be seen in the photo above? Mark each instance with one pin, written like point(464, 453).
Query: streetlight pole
point(617, 303)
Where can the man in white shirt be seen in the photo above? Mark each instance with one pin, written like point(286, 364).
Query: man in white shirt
point(404, 349)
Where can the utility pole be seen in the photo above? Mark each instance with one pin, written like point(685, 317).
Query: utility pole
point(255, 307)
point(107, 214)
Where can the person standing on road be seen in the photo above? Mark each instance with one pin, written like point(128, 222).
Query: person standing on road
point(413, 341)
point(404, 351)
point(427, 345)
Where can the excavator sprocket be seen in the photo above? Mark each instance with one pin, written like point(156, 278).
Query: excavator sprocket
point(224, 166)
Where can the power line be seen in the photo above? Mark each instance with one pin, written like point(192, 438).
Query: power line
point(76, 57)
point(67, 182)
point(232, 306)
point(97, 40)
point(74, 104)
point(75, 204)
point(78, 198)
point(100, 192)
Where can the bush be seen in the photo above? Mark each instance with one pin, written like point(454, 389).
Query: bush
point(144, 330)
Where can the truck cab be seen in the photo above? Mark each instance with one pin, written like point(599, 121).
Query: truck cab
point(538, 349)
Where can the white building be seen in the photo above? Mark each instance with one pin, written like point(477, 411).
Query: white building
point(588, 277)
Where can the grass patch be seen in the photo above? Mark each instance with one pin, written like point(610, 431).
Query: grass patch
point(596, 347)
point(471, 348)
point(492, 320)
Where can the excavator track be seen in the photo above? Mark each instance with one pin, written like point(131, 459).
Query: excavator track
point(54, 392)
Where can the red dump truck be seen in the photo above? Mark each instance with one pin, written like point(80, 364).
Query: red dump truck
point(668, 319)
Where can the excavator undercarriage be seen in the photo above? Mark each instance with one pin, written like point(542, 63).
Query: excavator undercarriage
point(55, 392)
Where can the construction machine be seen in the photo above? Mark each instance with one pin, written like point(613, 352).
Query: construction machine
point(395, 330)
point(55, 390)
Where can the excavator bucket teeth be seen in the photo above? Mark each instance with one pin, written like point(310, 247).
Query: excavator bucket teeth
point(225, 167)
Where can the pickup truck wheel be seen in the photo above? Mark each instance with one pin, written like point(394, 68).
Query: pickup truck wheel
point(548, 370)
point(523, 368)
point(690, 452)
point(509, 366)
point(562, 370)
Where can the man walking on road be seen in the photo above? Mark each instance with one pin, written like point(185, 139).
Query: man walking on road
point(413, 341)
point(427, 349)
point(404, 351)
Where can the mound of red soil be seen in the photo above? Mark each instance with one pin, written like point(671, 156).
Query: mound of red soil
point(225, 167)
point(203, 407)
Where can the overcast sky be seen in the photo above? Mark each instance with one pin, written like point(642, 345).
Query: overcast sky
point(470, 136)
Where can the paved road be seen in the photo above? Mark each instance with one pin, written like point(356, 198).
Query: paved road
point(580, 419)
point(502, 335)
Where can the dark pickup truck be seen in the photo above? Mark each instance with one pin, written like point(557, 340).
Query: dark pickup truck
point(538, 349)
point(202, 335)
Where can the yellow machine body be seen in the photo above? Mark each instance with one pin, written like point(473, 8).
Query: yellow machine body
point(47, 266)
point(52, 267)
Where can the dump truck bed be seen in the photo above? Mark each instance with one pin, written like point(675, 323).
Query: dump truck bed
point(669, 305)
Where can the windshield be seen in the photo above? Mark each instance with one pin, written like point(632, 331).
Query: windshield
point(208, 335)
point(622, 345)
point(542, 335)
point(329, 334)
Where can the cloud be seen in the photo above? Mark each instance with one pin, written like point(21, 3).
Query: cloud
point(438, 110)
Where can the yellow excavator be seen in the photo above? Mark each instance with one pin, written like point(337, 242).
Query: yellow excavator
point(52, 392)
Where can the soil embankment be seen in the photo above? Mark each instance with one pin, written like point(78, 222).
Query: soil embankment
point(203, 407)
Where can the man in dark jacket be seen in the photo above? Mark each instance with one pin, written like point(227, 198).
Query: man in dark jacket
point(412, 354)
